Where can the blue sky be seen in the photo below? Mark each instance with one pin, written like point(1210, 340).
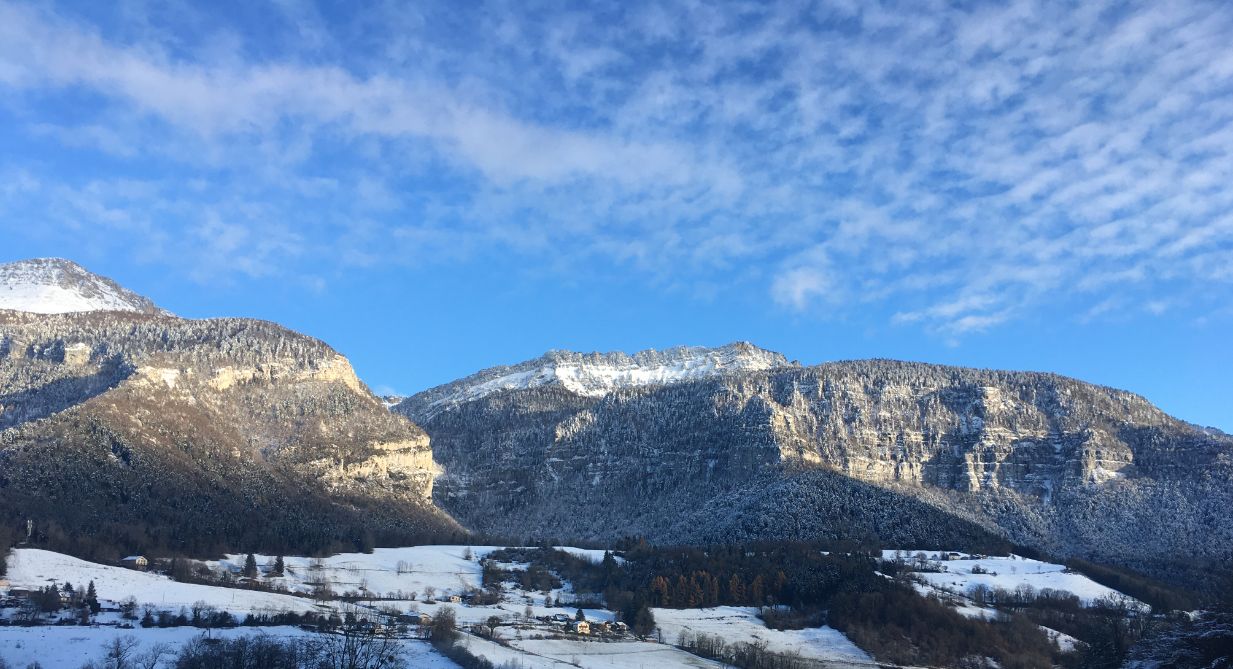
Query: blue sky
point(437, 188)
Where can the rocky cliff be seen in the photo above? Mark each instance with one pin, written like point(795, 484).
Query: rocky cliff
point(903, 451)
point(140, 429)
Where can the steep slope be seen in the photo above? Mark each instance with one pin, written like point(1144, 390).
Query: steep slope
point(907, 452)
point(56, 286)
point(122, 430)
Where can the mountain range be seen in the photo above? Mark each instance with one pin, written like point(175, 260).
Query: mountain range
point(122, 422)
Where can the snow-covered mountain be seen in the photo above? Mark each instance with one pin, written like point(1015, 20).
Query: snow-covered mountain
point(906, 452)
point(597, 374)
point(226, 431)
point(57, 286)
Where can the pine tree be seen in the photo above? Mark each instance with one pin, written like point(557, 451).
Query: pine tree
point(610, 568)
point(279, 566)
point(250, 566)
point(92, 599)
point(644, 622)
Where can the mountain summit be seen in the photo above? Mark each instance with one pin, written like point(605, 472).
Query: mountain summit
point(57, 286)
point(596, 374)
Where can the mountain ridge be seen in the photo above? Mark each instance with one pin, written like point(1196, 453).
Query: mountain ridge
point(594, 374)
point(57, 285)
point(1037, 458)
point(138, 430)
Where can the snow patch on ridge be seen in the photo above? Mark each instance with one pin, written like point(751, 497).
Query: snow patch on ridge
point(57, 286)
point(597, 374)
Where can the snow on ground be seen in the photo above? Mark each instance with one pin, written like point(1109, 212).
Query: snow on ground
point(741, 624)
point(405, 570)
point(592, 555)
point(1064, 641)
point(443, 568)
point(610, 654)
point(1007, 573)
point(74, 646)
point(33, 568)
point(561, 653)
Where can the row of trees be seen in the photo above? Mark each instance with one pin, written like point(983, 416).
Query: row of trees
point(53, 599)
point(742, 654)
point(355, 647)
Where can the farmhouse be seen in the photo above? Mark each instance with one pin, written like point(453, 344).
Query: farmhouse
point(138, 562)
point(580, 627)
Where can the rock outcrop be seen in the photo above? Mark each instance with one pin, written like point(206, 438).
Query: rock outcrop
point(876, 448)
point(147, 430)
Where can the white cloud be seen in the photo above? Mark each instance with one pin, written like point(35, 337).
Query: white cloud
point(800, 287)
point(962, 167)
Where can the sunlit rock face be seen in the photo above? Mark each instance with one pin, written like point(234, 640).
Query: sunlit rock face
point(225, 431)
point(863, 448)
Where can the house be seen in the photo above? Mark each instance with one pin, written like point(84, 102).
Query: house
point(455, 599)
point(138, 562)
point(580, 627)
point(619, 627)
point(425, 619)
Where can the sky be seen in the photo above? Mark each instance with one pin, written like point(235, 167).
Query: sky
point(435, 188)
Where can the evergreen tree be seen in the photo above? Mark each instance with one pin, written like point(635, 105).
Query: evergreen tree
point(250, 566)
point(279, 566)
point(610, 567)
point(92, 599)
point(580, 615)
point(644, 622)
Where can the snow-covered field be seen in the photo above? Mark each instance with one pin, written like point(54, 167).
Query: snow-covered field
point(614, 654)
point(1008, 573)
point(402, 571)
point(400, 578)
point(71, 647)
point(33, 568)
point(563, 653)
point(443, 568)
point(741, 624)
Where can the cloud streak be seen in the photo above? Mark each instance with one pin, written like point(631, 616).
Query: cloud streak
point(957, 169)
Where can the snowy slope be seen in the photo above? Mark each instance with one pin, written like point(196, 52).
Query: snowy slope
point(443, 568)
point(596, 374)
point(33, 568)
point(75, 646)
point(1008, 573)
point(56, 286)
point(736, 624)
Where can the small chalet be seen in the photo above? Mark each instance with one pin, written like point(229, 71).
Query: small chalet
point(619, 627)
point(455, 599)
point(580, 627)
point(138, 562)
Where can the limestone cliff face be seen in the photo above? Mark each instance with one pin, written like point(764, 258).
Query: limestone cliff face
point(231, 430)
point(800, 452)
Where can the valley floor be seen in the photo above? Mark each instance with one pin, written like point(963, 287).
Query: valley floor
point(401, 579)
